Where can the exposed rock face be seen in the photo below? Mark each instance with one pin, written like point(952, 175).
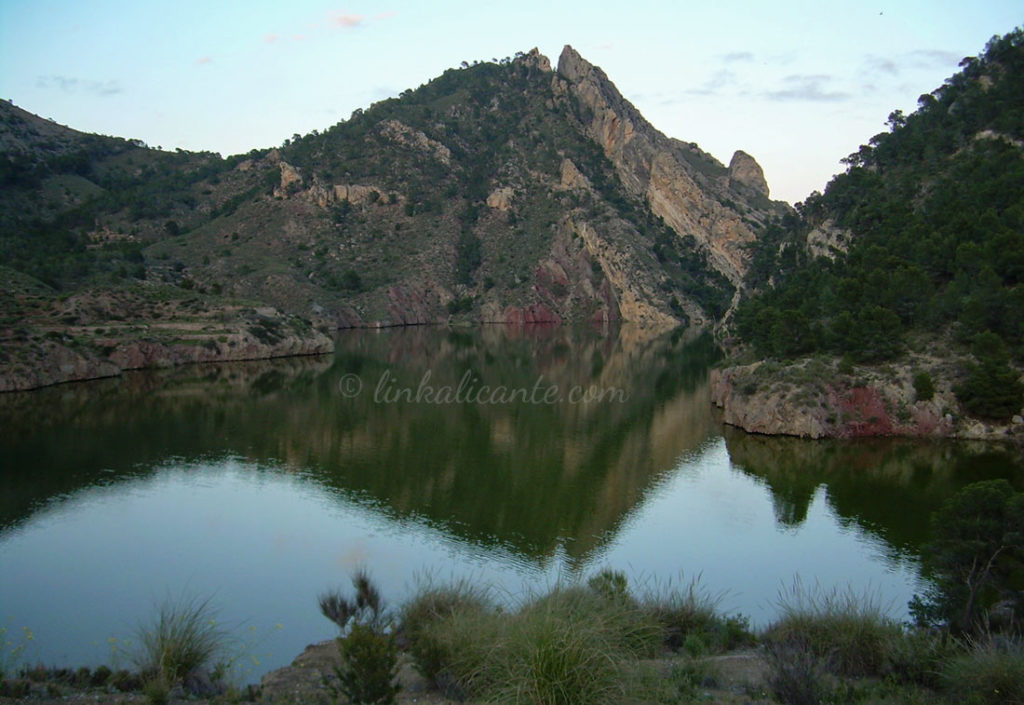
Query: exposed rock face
point(634, 296)
point(355, 194)
point(682, 184)
point(572, 178)
point(39, 361)
point(810, 401)
point(745, 171)
point(828, 240)
point(289, 175)
point(403, 134)
point(536, 59)
point(500, 199)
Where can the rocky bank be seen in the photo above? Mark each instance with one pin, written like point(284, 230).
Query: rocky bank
point(100, 334)
point(812, 398)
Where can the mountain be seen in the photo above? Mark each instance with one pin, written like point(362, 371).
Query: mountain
point(910, 267)
point(497, 192)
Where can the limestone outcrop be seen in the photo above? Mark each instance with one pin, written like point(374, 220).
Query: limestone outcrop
point(402, 134)
point(694, 193)
point(744, 171)
point(810, 399)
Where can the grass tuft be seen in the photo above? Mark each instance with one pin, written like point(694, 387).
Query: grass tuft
point(431, 605)
point(988, 671)
point(183, 642)
point(850, 632)
point(690, 619)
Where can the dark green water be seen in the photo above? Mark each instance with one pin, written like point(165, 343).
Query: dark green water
point(516, 457)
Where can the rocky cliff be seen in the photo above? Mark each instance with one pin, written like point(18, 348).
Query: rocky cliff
point(692, 191)
point(812, 398)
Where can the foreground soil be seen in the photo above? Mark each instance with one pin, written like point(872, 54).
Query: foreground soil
point(739, 681)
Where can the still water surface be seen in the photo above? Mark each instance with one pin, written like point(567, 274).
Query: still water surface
point(262, 484)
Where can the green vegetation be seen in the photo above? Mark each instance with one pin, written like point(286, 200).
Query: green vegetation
point(574, 644)
point(181, 645)
point(924, 387)
point(992, 388)
point(989, 671)
point(976, 559)
point(369, 655)
point(850, 632)
point(594, 642)
point(935, 217)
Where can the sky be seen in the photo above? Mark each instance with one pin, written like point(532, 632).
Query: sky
point(798, 85)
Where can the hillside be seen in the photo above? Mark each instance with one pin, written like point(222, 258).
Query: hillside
point(909, 266)
point(498, 192)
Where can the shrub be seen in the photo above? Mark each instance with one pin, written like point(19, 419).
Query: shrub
point(850, 634)
point(917, 658)
point(430, 606)
point(989, 672)
point(924, 388)
point(369, 665)
point(184, 640)
point(611, 585)
point(690, 620)
point(101, 675)
point(797, 675)
point(569, 646)
point(369, 655)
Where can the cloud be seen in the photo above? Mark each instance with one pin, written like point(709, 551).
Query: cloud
point(807, 87)
point(715, 83)
point(879, 64)
point(734, 56)
point(387, 15)
point(73, 85)
point(271, 38)
point(933, 58)
point(347, 20)
point(203, 60)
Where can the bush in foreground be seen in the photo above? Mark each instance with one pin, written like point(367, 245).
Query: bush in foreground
point(181, 645)
point(433, 604)
point(850, 634)
point(989, 671)
point(369, 655)
point(577, 643)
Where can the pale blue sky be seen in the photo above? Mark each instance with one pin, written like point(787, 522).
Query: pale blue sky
point(797, 84)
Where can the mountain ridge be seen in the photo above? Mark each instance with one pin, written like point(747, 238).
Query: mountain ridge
point(489, 194)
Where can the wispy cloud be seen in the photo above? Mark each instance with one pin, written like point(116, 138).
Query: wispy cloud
point(807, 87)
point(387, 15)
point(271, 38)
point(347, 20)
point(933, 58)
point(716, 83)
point(916, 59)
point(880, 64)
point(735, 56)
point(204, 60)
point(69, 84)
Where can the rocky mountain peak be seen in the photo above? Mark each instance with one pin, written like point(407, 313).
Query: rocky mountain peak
point(573, 66)
point(694, 193)
point(745, 171)
point(535, 59)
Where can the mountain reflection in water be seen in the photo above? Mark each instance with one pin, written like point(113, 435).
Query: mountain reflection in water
point(264, 483)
